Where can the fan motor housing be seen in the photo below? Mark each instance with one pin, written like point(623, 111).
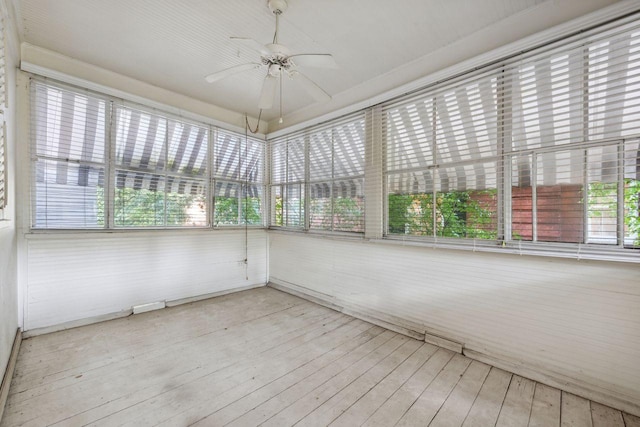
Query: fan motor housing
point(278, 56)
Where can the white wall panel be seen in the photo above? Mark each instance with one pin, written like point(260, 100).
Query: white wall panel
point(77, 276)
point(569, 318)
point(8, 234)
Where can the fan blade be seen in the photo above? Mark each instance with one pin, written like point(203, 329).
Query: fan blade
point(252, 44)
point(268, 93)
point(231, 71)
point(316, 60)
point(310, 86)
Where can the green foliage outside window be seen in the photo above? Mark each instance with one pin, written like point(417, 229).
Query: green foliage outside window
point(461, 214)
point(227, 211)
point(146, 208)
point(607, 194)
point(347, 214)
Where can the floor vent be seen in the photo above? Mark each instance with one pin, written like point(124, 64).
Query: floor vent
point(143, 308)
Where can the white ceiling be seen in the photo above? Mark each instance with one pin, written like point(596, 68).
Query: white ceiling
point(174, 44)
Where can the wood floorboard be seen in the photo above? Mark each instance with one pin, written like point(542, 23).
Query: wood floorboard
point(217, 379)
point(516, 408)
point(361, 410)
point(631, 420)
point(230, 337)
point(575, 411)
point(287, 397)
point(426, 407)
point(486, 406)
point(263, 357)
point(545, 409)
point(603, 416)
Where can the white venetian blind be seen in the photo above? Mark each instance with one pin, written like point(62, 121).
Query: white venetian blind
point(68, 158)
point(288, 169)
point(238, 176)
point(336, 174)
point(574, 112)
point(160, 170)
point(442, 159)
point(541, 147)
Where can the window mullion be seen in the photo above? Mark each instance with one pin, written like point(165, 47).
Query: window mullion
point(620, 195)
point(534, 197)
point(305, 203)
point(585, 137)
point(110, 155)
point(209, 180)
point(434, 134)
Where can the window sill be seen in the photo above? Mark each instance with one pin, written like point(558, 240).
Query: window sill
point(131, 232)
point(554, 250)
point(338, 235)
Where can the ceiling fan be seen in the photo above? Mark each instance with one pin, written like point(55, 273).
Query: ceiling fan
point(278, 61)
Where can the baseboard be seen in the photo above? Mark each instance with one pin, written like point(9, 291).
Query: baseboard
point(439, 338)
point(173, 303)
point(76, 323)
point(8, 373)
point(316, 297)
point(124, 313)
point(368, 316)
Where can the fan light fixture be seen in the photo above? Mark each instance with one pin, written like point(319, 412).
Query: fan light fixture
point(278, 61)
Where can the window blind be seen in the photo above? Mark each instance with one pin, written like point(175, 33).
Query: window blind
point(442, 160)
point(326, 163)
point(100, 162)
point(160, 170)
point(541, 147)
point(238, 177)
point(68, 157)
point(336, 175)
point(288, 171)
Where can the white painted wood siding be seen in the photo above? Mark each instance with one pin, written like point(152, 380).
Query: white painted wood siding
point(8, 227)
point(78, 276)
point(570, 319)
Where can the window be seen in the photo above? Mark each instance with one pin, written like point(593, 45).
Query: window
point(574, 157)
point(98, 163)
point(327, 164)
point(238, 180)
point(288, 163)
point(336, 177)
point(442, 161)
point(160, 171)
point(542, 148)
point(68, 158)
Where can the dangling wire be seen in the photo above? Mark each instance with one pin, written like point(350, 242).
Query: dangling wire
point(248, 126)
point(246, 194)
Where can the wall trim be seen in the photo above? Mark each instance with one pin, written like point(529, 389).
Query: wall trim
point(8, 373)
point(76, 323)
point(128, 312)
point(188, 300)
point(441, 339)
point(393, 323)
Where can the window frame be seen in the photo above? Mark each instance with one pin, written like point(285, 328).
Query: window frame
point(304, 185)
point(111, 165)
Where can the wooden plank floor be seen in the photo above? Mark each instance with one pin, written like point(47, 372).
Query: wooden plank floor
point(263, 357)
